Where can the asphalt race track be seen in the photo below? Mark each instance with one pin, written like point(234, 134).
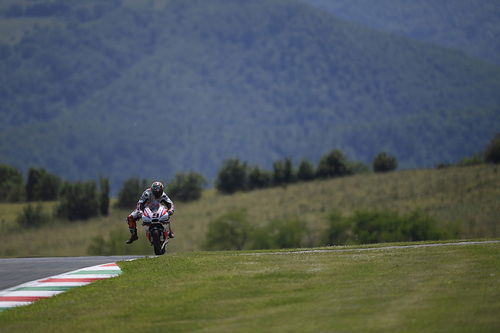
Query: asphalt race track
point(15, 271)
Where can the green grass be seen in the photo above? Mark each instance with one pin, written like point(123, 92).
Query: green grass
point(467, 196)
point(432, 289)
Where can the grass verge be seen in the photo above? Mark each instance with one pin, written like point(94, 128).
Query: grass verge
point(428, 289)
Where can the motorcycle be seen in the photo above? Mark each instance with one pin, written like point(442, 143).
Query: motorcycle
point(157, 223)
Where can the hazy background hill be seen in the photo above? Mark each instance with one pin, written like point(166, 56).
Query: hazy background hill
point(151, 88)
point(467, 25)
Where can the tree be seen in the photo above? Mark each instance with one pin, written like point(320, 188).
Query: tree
point(333, 164)
point(130, 192)
point(232, 176)
point(492, 152)
point(306, 171)
point(384, 163)
point(11, 184)
point(258, 178)
point(187, 186)
point(289, 175)
point(42, 185)
point(104, 197)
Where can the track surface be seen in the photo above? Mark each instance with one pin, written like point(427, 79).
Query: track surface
point(16, 271)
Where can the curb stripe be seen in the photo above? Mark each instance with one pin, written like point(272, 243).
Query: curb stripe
point(73, 280)
point(30, 292)
point(21, 298)
point(55, 288)
point(107, 271)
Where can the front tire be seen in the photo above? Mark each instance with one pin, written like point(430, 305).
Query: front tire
point(155, 236)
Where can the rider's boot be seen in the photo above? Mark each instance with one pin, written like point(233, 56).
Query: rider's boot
point(133, 236)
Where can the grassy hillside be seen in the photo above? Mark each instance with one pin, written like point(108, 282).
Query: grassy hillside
point(98, 88)
point(466, 197)
point(431, 289)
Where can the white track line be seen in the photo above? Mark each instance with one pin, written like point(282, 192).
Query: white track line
point(373, 248)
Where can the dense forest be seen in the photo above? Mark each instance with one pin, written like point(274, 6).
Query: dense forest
point(467, 25)
point(153, 88)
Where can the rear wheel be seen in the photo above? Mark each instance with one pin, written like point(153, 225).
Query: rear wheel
point(155, 236)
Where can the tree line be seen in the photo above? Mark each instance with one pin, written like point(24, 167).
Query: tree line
point(83, 200)
point(235, 175)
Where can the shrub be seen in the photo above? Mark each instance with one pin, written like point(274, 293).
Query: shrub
point(187, 186)
point(339, 230)
point(230, 231)
point(492, 152)
point(285, 233)
point(384, 163)
point(377, 226)
point(114, 244)
point(78, 201)
point(32, 216)
point(471, 161)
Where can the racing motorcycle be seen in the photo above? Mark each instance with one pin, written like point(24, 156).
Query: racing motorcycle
point(156, 220)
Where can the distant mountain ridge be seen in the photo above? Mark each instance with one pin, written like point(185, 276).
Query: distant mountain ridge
point(467, 25)
point(154, 88)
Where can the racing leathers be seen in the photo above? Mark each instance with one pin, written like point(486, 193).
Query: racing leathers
point(148, 199)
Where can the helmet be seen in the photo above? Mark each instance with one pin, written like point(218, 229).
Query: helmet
point(157, 189)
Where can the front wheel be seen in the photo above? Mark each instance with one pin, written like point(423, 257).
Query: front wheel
point(157, 243)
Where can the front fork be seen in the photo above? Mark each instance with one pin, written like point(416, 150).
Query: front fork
point(165, 232)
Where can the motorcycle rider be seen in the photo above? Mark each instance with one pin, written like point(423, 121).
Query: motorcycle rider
point(151, 196)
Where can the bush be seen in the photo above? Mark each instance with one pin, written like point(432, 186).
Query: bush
point(492, 152)
point(187, 186)
point(231, 231)
point(471, 161)
point(384, 163)
point(78, 201)
point(285, 233)
point(377, 227)
point(232, 176)
point(114, 244)
point(32, 216)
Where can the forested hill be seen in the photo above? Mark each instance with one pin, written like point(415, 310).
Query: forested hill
point(151, 88)
point(468, 25)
